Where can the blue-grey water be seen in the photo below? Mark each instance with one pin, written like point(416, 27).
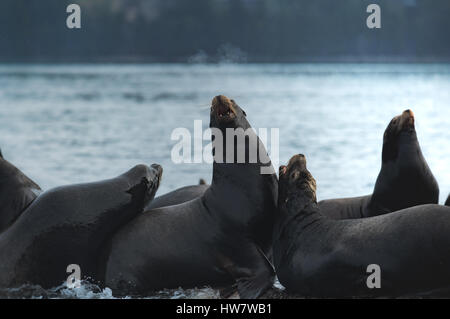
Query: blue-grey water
point(63, 124)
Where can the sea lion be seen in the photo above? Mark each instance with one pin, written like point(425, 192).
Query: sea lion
point(17, 192)
point(405, 180)
point(217, 239)
point(321, 257)
point(179, 195)
point(72, 225)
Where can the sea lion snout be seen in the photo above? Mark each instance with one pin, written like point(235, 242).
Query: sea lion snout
point(297, 161)
point(408, 112)
point(159, 171)
point(223, 107)
point(295, 168)
point(407, 119)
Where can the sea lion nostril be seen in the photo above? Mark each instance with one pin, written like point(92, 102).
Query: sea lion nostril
point(300, 158)
point(407, 119)
point(408, 113)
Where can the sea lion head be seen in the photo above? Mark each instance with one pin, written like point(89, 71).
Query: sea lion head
point(295, 182)
point(225, 113)
point(400, 123)
point(232, 131)
point(154, 175)
point(147, 180)
point(401, 129)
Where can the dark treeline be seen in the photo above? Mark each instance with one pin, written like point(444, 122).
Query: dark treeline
point(207, 30)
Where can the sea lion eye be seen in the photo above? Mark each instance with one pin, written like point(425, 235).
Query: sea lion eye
point(395, 120)
point(295, 175)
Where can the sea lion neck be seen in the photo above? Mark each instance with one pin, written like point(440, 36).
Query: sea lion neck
point(239, 155)
point(404, 142)
point(408, 142)
point(296, 211)
point(297, 191)
point(296, 201)
point(404, 149)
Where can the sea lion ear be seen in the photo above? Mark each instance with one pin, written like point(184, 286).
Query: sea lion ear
point(1, 155)
point(245, 114)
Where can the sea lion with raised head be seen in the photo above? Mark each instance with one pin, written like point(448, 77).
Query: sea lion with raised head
point(17, 192)
point(73, 225)
point(405, 180)
point(321, 257)
point(218, 239)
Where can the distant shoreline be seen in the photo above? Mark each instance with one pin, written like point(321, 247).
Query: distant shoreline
point(140, 59)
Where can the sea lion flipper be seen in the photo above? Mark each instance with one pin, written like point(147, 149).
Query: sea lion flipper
point(261, 279)
point(254, 275)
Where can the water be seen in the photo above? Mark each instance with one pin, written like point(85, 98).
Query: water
point(64, 124)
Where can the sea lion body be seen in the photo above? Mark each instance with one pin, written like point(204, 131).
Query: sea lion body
point(72, 225)
point(344, 208)
point(321, 257)
point(17, 192)
point(216, 239)
point(405, 179)
point(178, 196)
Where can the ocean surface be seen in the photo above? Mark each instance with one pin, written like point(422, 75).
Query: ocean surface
point(64, 124)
